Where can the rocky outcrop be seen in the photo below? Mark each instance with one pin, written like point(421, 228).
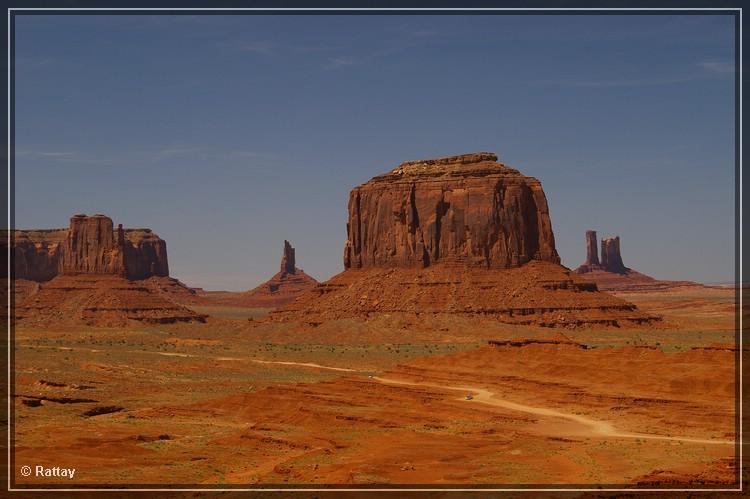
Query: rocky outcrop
point(611, 259)
point(455, 238)
point(283, 288)
point(466, 209)
point(145, 254)
point(592, 252)
point(36, 254)
point(611, 274)
point(287, 259)
point(90, 246)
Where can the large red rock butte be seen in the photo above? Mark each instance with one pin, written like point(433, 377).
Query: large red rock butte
point(288, 283)
point(94, 274)
point(612, 274)
point(89, 246)
point(466, 209)
point(463, 235)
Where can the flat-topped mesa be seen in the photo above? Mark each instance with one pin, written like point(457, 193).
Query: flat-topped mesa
point(287, 259)
point(611, 259)
point(468, 209)
point(90, 245)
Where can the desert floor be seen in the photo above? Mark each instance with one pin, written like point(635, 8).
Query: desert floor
point(240, 401)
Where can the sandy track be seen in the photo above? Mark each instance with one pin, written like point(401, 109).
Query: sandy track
point(595, 427)
point(177, 354)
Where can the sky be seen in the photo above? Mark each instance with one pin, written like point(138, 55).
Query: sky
point(228, 134)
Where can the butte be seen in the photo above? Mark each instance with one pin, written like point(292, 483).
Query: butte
point(93, 274)
point(456, 236)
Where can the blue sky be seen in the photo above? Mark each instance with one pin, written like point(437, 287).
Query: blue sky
point(229, 134)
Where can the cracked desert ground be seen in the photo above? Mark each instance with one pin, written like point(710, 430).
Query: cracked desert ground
point(235, 401)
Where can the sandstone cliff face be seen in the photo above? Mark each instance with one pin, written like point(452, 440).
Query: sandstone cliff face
point(592, 252)
point(36, 254)
point(145, 254)
point(90, 246)
point(287, 259)
point(466, 209)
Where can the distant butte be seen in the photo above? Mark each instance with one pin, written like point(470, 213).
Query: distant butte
point(95, 275)
point(466, 209)
point(90, 245)
point(281, 289)
point(611, 274)
point(288, 283)
point(464, 235)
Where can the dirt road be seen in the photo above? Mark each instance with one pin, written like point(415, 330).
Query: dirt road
point(596, 428)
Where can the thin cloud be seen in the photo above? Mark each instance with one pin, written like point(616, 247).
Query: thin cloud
point(35, 154)
point(66, 157)
point(33, 62)
point(260, 47)
point(249, 155)
point(632, 83)
point(717, 67)
point(315, 48)
point(340, 62)
point(174, 152)
point(204, 153)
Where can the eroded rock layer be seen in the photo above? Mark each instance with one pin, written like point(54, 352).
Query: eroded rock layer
point(466, 209)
